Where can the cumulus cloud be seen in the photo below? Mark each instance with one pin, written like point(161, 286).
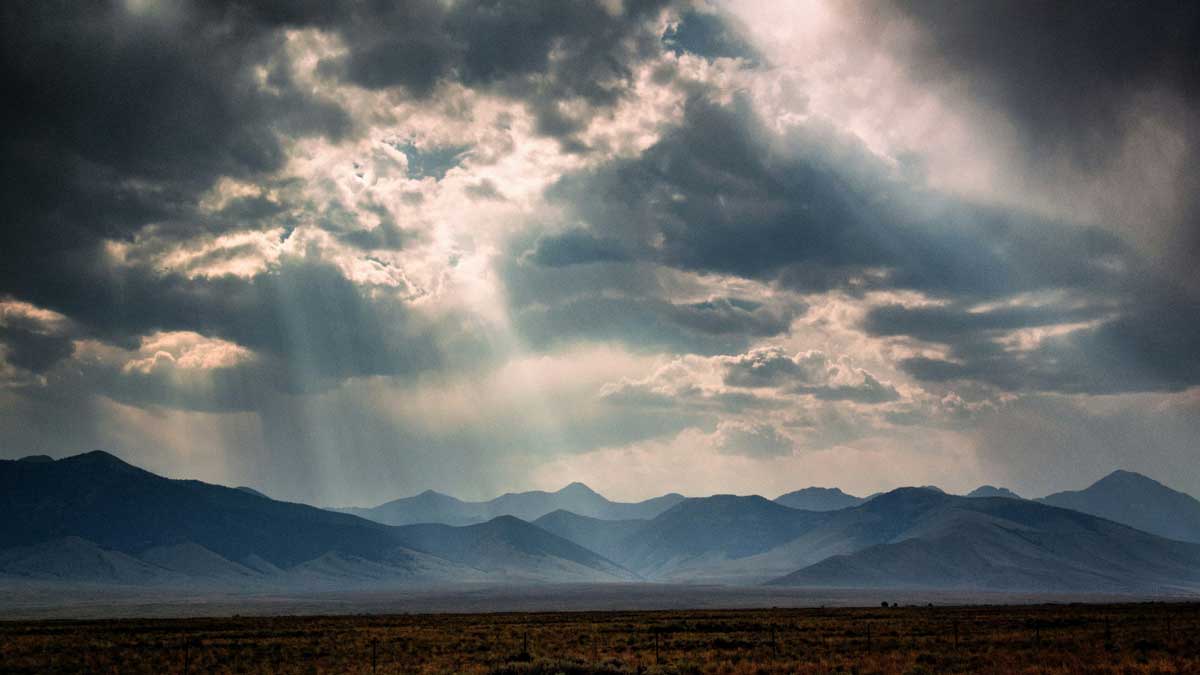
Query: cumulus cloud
point(813, 373)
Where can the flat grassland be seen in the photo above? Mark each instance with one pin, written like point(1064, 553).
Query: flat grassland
point(1122, 638)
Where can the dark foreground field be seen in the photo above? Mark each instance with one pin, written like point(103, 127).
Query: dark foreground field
point(1130, 638)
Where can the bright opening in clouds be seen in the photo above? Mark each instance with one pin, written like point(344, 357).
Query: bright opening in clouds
point(344, 252)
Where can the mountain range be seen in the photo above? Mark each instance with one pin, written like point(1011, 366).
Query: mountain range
point(95, 519)
point(435, 507)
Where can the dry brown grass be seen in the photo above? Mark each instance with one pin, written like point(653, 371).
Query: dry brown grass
point(1134, 638)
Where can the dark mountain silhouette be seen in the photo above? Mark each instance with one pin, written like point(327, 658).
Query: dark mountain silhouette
point(919, 538)
point(1140, 502)
point(818, 499)
point(434, 507)
point(993, 491)
point(119, 507)
point(93, 517)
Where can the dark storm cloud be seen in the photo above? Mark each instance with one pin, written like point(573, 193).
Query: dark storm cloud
point(1077, 80)
point(1065, 72)
point(24, 346)
point(539, 53)
point(718, 326)
point(946, 323)
point(305, 313)
point(1154, 346)
point(811, 213)
point(118, 119)
point(307, 326)
point(574, 286)
point(714, 195)
point(577, 247)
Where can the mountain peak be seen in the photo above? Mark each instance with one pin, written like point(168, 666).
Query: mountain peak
point(578, 488)
point(908, 498)
point(818, 491)
point(100, 457)
point(993, 491)
point(432, 495)
point(818, 499)
point(1139, 501)
point(1124, 476)
point(1129, 480)
point(36, 459)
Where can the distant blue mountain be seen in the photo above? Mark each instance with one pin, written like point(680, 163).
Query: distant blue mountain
point(435, 507)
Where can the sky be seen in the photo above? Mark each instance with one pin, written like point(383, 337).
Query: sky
point(347, 251)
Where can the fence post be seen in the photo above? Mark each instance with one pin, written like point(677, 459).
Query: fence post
point(374, 653)
point(868, 636)
point(187, 657)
